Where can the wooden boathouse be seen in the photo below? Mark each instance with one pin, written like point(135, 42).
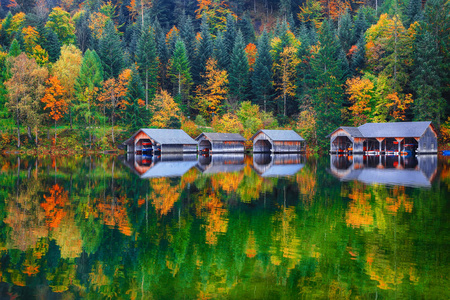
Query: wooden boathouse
point(385, 138)
point(221, 142)
point(277, 141)
point(160, 141)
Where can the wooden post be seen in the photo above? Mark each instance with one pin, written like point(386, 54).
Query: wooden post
point(399, 140)
point(380, 140)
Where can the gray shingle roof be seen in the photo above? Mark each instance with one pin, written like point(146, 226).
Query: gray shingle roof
point(353, 131)
point(280, 135)
point(166, 136)
point(216, 136)
point(399, 129)
point(389, 130)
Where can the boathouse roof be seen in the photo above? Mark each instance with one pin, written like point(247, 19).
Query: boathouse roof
point(280, 135)
point(222, 137)
point(165, 136)
point(390, 130)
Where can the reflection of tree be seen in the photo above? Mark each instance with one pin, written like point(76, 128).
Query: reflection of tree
point(25, 217)
point(216, 218)
point(68, 237)
point(228, 182)
point(54, 206)
point(359, 213)
point(306, 180)
point(164, 195)
point(115, 214)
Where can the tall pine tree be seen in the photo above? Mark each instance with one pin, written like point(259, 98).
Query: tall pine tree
point(147, 60)
point(262, 75)
point(238, 76)
point(110, 51)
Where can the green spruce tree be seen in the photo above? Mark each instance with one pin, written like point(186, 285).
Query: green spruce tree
point(180, 72)
point(262, 75)
point(238, 75)
point(111, 51)
point(147, 60)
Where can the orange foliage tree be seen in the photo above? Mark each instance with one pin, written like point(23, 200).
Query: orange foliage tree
point(251, 52)
point(215, 11)
point(398, 105)
point(114, 91)
point(54, 99)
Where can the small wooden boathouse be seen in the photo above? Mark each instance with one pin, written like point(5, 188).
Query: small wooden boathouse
point(221, 142)
point(399, 138)
point(160, 141)
point(277, 141)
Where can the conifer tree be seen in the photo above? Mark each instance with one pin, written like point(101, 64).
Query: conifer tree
point(220, 52)
point(345, 32)
point(180, 71)
point(238, 76)
point(246, 27)
point(426, 83)
point(136, 115)
point(262, 76)
point(325, 83)
point(204, 51)
point(147, 60)
point(14, 49)
point(51, 44)
point(229, 35)
point(413, 12)
point(111, 51)
point(187, 33)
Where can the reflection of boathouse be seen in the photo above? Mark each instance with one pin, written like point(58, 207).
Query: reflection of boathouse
point(385, 138)
point(161, 140)
point(221, 163)
point(164, 166)
point(221, 142)
point(390, 170)
point(277, 141)
point(275, 165)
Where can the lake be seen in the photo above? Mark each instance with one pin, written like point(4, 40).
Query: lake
point(224, 226)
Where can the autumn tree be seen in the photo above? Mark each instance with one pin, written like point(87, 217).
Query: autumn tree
point(166, 113)
point(114, 92)
point(66, 69)
point(54, 99)
point(285, 60)
point(360, 91)
point(215, 13)
point(211, 94)
point(25, 89)
point(61, 23)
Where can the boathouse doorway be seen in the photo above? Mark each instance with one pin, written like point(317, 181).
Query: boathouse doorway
point(262, 146)
point(205, 146)
point(342, 144)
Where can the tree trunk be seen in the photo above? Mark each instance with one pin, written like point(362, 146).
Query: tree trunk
point(179, 83)
point(18, 131)
point(36, 137)
point(30, 137)
point(55, 133)
point(70, 117)
point(146, 89)
point(112, 128)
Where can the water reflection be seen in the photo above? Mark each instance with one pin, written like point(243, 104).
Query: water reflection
point(83, 227)
point(274, 165)
point(389, 170)
point(221, 163)
point(152, 166)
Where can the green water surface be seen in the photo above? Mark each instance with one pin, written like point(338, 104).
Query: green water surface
point(109, 227)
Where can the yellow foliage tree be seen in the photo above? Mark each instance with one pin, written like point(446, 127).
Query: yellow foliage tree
point(30, 38)
point(214, 91)
point(360, 91)
point(165, 110)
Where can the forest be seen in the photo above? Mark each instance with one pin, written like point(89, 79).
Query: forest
point(83, 75)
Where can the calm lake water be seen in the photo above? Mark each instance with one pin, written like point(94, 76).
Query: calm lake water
point(235, 227)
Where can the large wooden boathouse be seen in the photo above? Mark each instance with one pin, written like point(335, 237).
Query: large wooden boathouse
point(277, 141)
point(161, 141)
point(221, 142)
point(385, 138)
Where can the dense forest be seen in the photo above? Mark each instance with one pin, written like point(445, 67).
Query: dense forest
point(98, 70)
